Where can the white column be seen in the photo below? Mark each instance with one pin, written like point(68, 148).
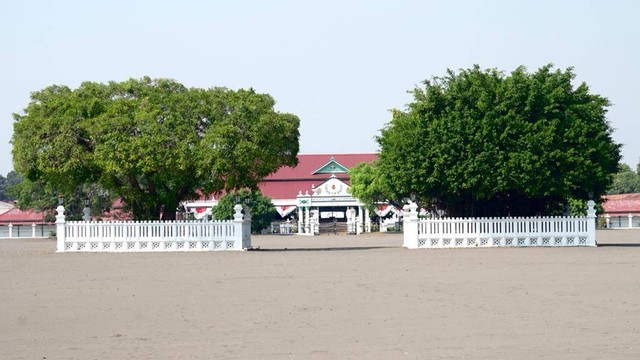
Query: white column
point(630, 221)
point(359, 221)
point(300, 220)
point(33, 230)
point(347, 214)
point(315, 221)
point(10, 230)
point(367, 220)
point(608, 221)
point(307, 225)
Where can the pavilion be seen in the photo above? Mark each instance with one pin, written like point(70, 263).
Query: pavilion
point(316, 194)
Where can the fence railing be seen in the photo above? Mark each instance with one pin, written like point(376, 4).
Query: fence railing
point(489, 232)
point(156, 236)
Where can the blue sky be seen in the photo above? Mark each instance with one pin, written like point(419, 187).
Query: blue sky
point(339, 65)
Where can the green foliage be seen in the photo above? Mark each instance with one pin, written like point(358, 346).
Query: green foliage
point(578, 207)
point(479, 143)
point(153, 142)
point(262, 210)
point(369, 186)
point(13, 178)
point(6, 183)
point(364, 177)
point(625, 181)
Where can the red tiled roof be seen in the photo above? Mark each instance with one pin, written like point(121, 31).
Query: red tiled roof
point(307, 164)
point(22, 217)
point(286, 189)
point(288, 181)
point(622, 204)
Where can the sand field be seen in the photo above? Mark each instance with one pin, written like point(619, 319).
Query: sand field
point(326, 297)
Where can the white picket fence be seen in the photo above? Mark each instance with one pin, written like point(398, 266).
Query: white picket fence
point(491, 232)
point(154, 236)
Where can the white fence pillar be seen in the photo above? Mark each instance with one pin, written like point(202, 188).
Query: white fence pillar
point(60, 235)
point(591, 223)
point(246, 235)
point(410, 217)
point(33, 230)
point(86, 214)
point(630, 221)
point(10, 230)
point(238, 224)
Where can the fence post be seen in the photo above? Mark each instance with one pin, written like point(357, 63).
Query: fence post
point(238, 225)
point(86, 213)
point(246, 235)
point(60, 224)
point(591, 223)
point(410, 228)
point(33, 230)
point(10, 230)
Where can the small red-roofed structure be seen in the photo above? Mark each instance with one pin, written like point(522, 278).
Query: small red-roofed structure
point(24, 223)
point(16, 216)
point(622, 210)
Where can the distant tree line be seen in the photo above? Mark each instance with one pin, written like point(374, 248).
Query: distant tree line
point(7, 183)
point(626, 180)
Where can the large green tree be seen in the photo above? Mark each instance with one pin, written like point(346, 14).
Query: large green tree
point(152, 142)
point(482, 143)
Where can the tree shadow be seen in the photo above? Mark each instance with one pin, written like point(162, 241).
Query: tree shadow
point(346, 248)
point(619, 245)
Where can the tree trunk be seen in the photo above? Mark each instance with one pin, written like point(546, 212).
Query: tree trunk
point(169, 212)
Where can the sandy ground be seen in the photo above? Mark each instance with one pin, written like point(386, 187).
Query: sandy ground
point(330, 297)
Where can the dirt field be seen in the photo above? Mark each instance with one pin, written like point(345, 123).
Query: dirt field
point(326, 297)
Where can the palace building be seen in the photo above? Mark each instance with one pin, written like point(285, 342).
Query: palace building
point(314, 195)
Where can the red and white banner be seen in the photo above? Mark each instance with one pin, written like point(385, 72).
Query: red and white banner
point(285, 210)
point(384, 210)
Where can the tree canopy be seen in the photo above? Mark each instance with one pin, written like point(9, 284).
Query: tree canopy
point(152, 142)
point(481, 143)
point(262, 209)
